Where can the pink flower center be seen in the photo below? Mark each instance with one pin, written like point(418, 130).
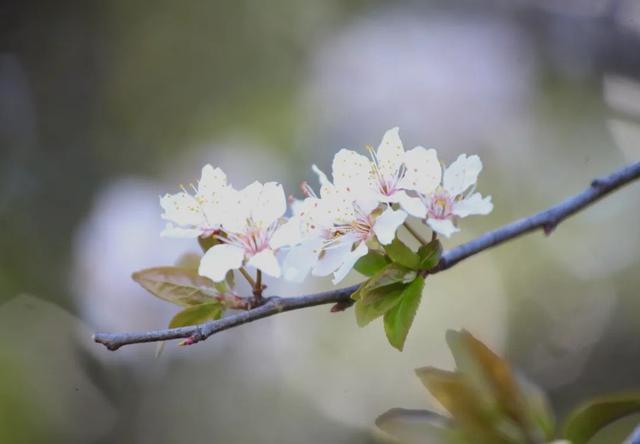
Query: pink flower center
point(253, 240)
point(440, 205)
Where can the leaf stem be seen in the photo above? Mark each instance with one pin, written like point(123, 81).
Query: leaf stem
point(248, 277)
point(415, 234)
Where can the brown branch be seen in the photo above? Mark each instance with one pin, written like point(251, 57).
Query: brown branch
point(546, 220)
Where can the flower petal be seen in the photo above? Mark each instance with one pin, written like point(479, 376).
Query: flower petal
point(266, 262)
point(271, 204)
point(219, 259)
point(181, 209)
point(442, 226)
point(390, 153)
point(473, 204)
point(286, 234)
point(461, 174)
point(300, 260)
point(423, 170)
point(350, 260)
point(212, 180)
point(171, 230)
point(412, 205)
point(387, 224)
point(331, 258)
point(351, 171)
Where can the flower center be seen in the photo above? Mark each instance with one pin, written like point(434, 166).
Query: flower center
point(253, 240)
point(440, 205)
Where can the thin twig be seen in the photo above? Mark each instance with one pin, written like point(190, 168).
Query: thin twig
point(247, 276)
point(546, 220)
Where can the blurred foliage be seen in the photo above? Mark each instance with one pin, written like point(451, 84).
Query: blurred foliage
point(489, 404)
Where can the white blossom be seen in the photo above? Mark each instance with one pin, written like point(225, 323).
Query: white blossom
point(382, 178)
point(198, 214)
point(335, 228)
point(450, 195)
point(252, 231)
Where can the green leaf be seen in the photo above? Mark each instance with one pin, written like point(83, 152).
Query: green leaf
point(398, 320)
point(373, 304)
point(584, 422)
point(417, 426)
point(464, 403)
point(198, 314)
point(207, 242)
point(401, 254)
point(179, 286)
point(190, 261)
point(390, 274)
point(371, 263)
point(430, 255)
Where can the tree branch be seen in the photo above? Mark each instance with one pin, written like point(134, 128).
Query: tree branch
point(546, 220)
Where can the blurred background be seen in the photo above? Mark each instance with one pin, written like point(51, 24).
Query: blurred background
point(106, 105)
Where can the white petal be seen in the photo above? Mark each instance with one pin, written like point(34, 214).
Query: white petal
point(271, 205)
point(287, 234)
point(301, 259)
point(219, 259)
point(351, 171)
point(473, 204)
point(387, 224)
point(331, 259)
point(171, 230)
point(181, 209)
point(266, 262)
point(412, 205)
point(349, 261)
point(423, 170)
point(236, 207)
point(322, 177)
point(442, 226)
point(390, 153)
point(211, 181)
point(461, 174)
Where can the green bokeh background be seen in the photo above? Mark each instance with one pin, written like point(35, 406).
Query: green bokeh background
point(94, 94)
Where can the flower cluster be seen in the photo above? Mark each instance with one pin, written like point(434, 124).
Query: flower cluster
point(360, 208)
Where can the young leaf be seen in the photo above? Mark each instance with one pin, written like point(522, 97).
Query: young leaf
point(371, 263)
point(179, 286)
point(463, 402)
point(373, 304)
point(197, 314)
point(430, 255)
point(398, 320)
point(401, 254)
point(417, 426)
point(587, 420)
point(488, 372)
point(390, 274)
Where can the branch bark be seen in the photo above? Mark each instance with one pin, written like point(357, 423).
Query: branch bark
point(546, 220)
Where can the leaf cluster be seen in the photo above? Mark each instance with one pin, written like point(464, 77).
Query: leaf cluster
point(488, 403)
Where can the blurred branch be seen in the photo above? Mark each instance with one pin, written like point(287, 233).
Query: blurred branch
point(546, 220)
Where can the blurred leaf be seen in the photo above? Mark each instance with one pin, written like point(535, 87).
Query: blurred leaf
point(585, 421)
point(398, 320)
point(190, 261)
point(490, 368)
point(227, 285)
point(373, 304)
point(371, 263)
point(401, 254)
point(537, 408)
point(198, 314)
point(430, 255)
point(417, 426)
point(453, 391)
point(176, 285)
